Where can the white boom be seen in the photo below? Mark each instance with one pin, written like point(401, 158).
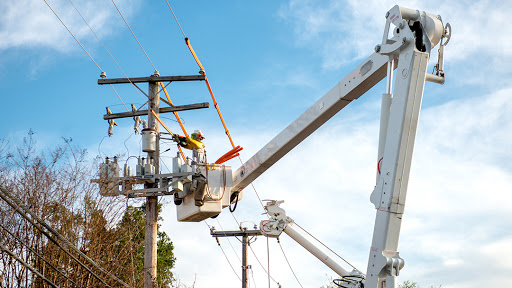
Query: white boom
point(278, 222)
point(415, 33)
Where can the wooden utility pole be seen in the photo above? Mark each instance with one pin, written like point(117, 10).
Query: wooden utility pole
point(150, 240)
point(244, 233)
point(151, 189)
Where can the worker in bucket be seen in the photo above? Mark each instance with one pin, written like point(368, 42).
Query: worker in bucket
point(194, 143)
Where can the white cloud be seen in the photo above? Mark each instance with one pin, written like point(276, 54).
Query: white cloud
point(27, 23)
point(457, 215)
point(348, 30)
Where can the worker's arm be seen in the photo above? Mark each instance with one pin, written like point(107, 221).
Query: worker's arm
point(187, 142)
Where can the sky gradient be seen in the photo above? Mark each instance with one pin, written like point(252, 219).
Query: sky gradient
point(267, 62)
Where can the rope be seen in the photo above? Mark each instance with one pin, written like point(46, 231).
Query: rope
point(327, 247)
point(288, 262)
point(133, 34)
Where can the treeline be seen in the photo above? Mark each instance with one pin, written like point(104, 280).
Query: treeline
point(55, 185)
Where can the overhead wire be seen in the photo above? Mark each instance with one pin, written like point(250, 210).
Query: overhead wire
point(327, 247)
point(11, 200)
point(5, 195)
point(289, 265)
point(28, 266)
point(101, 42)
point(187, 41)
point(225, 255)
point(202, 71)
point(38, 255)
point(72, 35)
point(83, 48)
point(133, 34)
point(263, 267)
point(175, 18)
point(234, 250)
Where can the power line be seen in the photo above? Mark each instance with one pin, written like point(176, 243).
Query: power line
point(228, 261)
point(83, 48)
point(38, 255)
point(119, 97)
point(3, 248)
point(119, 66)
point(289, 265)
point(253, 253)
point(9, 199)
point(72, 35)
point(4, 194)
point(197, 60)
point(226, 256)
point(240, 260)
point(133, 34)
point(327, 247)
point(169, 5)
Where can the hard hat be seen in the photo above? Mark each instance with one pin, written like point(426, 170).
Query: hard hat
point(198, 135)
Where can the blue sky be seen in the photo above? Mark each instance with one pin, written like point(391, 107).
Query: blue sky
point(268, 61)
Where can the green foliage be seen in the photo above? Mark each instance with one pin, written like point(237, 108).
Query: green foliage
point(408, 284)
point(132, 226)
point(411, 284)
point(56, 185)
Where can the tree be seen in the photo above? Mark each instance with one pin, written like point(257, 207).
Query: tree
point(132, 227)
point(55, 185)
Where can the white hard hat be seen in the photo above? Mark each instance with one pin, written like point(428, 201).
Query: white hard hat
point(199, 133)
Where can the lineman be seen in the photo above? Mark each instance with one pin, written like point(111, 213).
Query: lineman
point(193, 143)
point(198, 185)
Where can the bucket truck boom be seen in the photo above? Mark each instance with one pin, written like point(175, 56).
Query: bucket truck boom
point(414, 35)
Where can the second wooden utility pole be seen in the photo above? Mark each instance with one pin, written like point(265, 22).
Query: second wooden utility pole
point(244, 233)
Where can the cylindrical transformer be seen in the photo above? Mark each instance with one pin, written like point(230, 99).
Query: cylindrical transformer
point(149, 140)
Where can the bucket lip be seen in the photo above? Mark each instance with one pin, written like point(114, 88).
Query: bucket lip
point(149, 129)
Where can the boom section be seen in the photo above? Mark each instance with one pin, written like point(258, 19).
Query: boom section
point(361, 79)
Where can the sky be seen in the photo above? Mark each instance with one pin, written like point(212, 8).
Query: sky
point(267, 62)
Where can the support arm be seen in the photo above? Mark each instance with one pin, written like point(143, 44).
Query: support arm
point(279, 223)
